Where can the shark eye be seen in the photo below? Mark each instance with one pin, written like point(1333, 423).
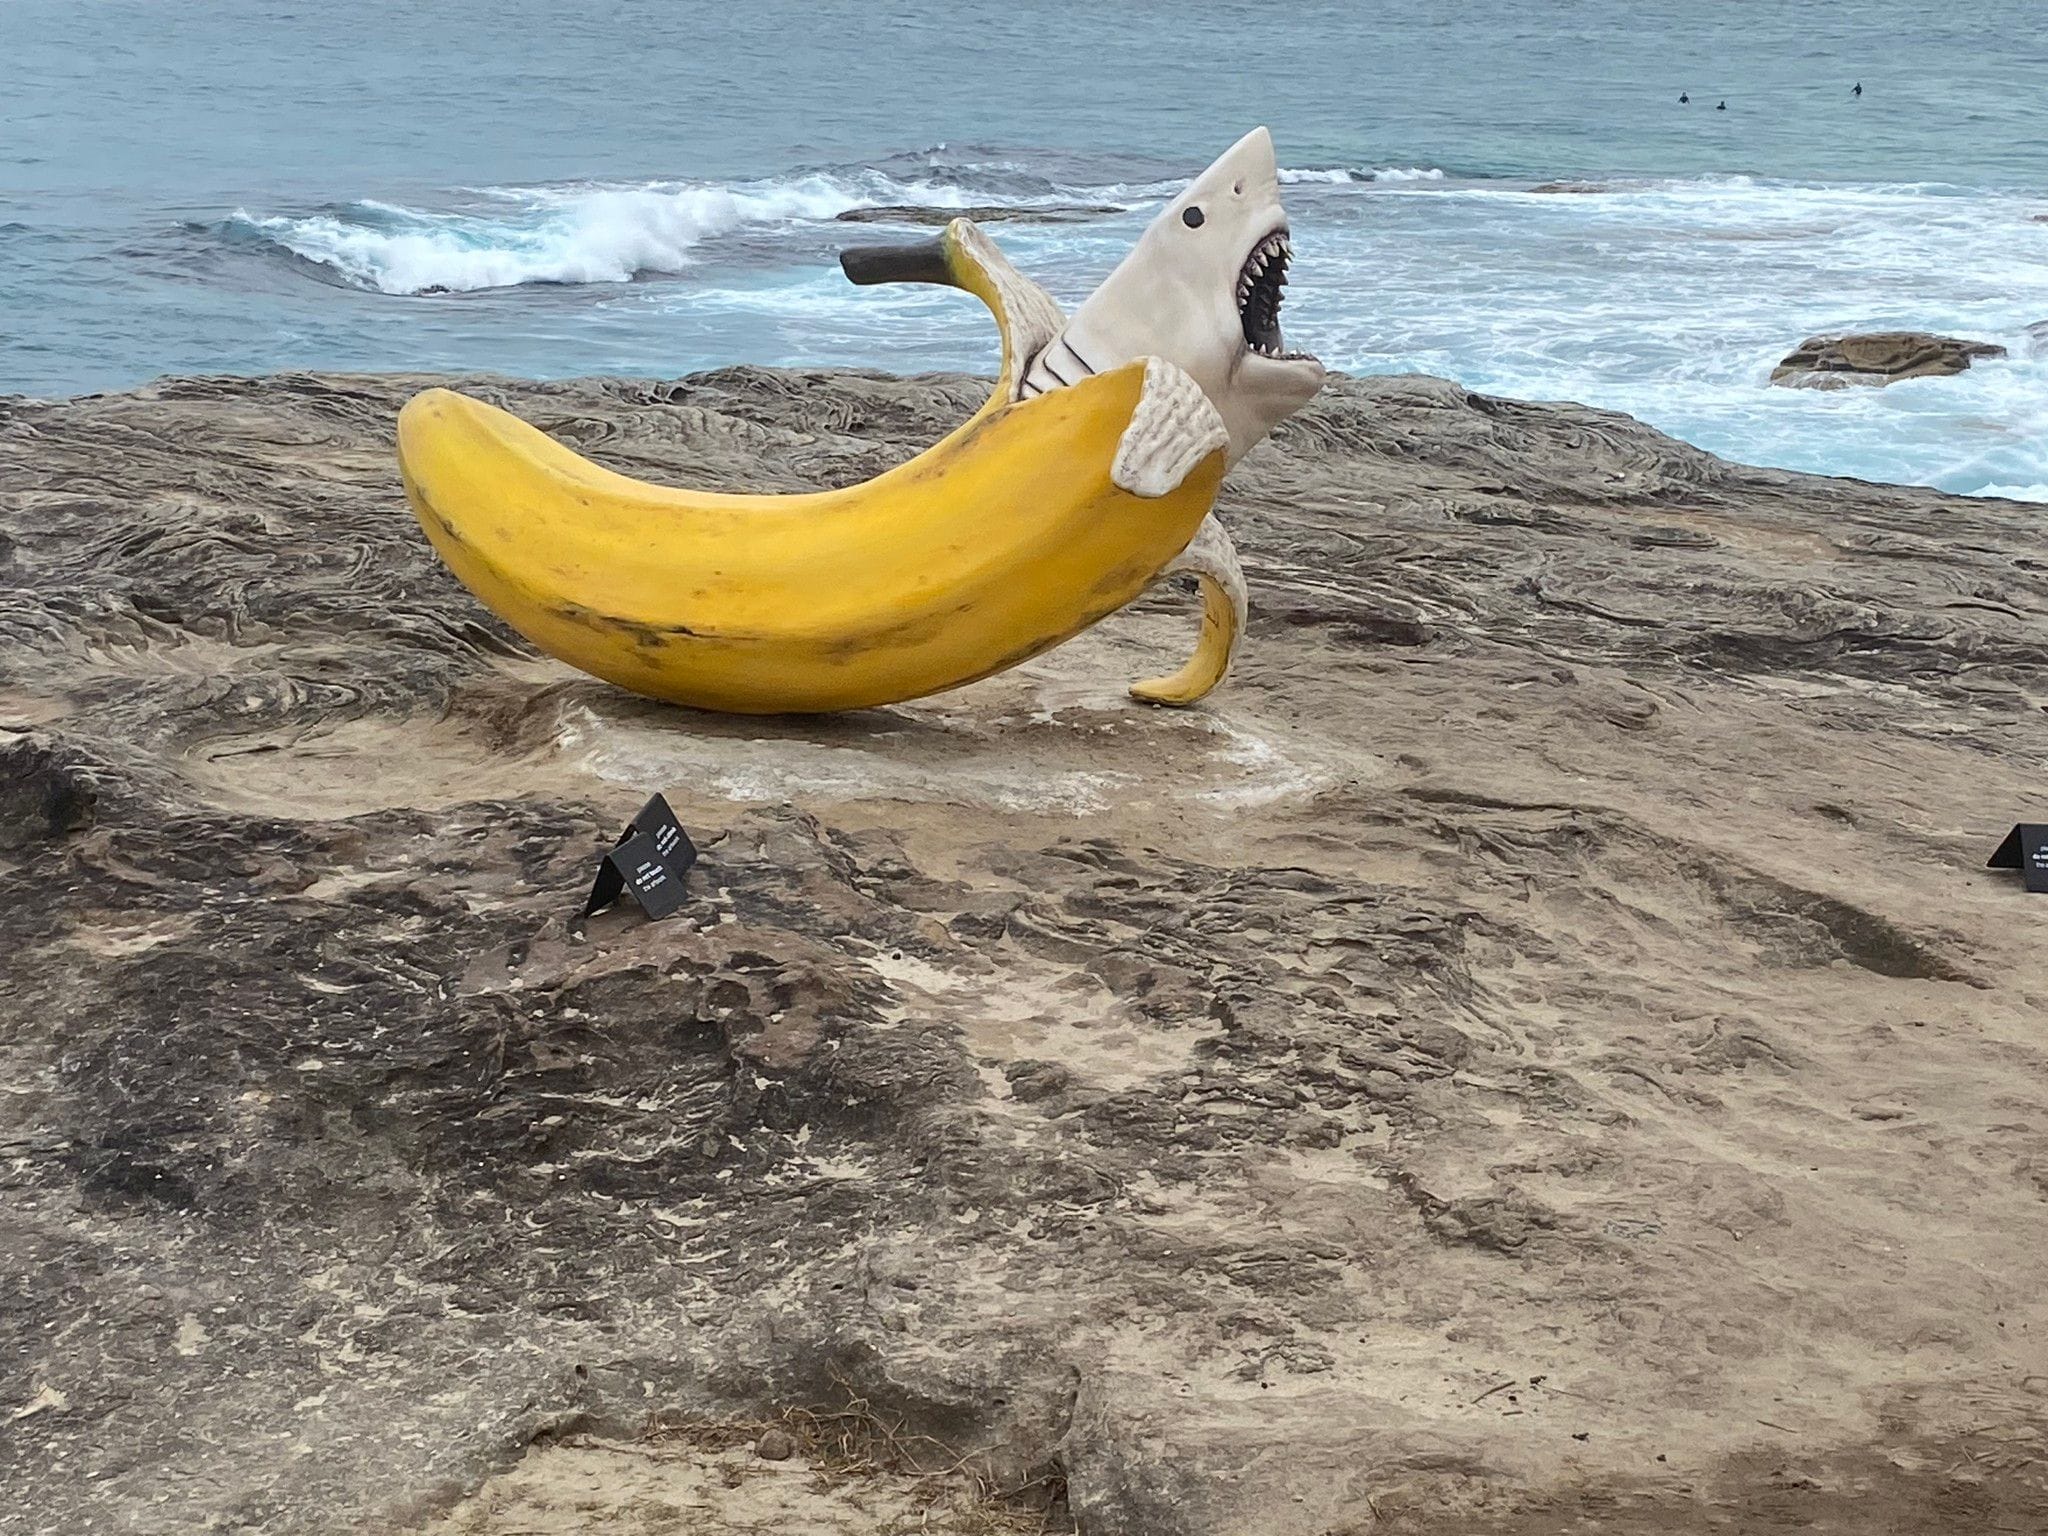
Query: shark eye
point(1192, 217)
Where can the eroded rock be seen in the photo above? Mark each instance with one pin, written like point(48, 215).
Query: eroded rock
point(1425, 1090)
point(1880, 357)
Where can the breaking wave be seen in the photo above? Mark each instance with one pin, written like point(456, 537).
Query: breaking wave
point(503, 237)
point(1667, 297)
point(589, 234)
point(1343, 173)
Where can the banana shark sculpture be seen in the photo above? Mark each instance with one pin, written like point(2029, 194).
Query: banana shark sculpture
point(1087, 475)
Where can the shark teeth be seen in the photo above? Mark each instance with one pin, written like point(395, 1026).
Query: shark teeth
point(1261, 285)
point(1275, 247)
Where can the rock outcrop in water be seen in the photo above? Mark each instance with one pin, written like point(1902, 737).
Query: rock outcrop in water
point(1002, 213)
point(1540, 1052)
point(1881, 357)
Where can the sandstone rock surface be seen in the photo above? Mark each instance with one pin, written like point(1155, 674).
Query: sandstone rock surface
point(1880, 357)
point(1540, 1052)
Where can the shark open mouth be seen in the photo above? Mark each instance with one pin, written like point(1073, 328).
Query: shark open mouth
point(1261, 286)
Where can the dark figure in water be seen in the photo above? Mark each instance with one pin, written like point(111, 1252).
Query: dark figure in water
point(1722, 108)
point(1859, 89)
point(1684, 100)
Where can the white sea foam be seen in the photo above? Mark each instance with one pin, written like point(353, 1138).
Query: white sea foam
point(1669, 298)
point(1339, 174)
point(593, 235)
point(584, 234)
point(1673, 299)
point(612, 234)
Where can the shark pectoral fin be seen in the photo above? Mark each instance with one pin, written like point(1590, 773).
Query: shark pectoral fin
point(1212, 558)
point(1173, 429)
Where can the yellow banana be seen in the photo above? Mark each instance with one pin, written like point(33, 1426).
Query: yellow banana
point(1019, 529)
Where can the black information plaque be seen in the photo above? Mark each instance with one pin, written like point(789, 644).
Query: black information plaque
point(647, 863)
point(2025, 849)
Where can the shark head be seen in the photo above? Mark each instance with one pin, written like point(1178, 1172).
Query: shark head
point(1202, 288)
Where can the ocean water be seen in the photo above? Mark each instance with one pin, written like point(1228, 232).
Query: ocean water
point(548, 190)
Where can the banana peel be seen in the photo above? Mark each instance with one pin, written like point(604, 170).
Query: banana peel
point(1030, 522)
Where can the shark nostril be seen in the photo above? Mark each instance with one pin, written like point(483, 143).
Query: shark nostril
point(1239, 188)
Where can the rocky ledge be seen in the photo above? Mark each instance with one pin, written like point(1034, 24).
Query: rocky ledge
point(1880, 357)
point(1539, 1050)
